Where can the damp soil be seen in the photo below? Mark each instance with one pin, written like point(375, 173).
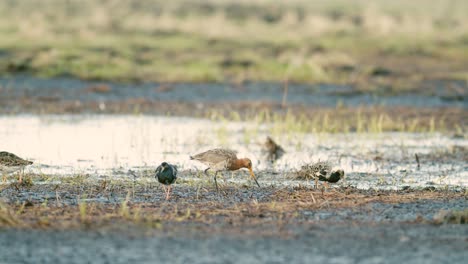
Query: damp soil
point(26, 94)
point(434, 94)
point(119, 221)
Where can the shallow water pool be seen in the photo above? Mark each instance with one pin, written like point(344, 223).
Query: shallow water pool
point(112, 145)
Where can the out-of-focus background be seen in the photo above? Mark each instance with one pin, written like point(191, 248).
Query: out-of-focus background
point(337, 41)
point(348, 59)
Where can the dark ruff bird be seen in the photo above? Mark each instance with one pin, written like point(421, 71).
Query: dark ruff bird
point(166, 175)
point(322, 171)
point(334, 176)
point(9, 162)
point(223, 160)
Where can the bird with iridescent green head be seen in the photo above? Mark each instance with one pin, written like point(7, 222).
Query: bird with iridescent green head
point(167, 175)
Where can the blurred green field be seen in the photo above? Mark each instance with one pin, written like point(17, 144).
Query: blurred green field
point(366, 43)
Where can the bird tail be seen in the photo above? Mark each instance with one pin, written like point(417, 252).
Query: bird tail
point(191, 157)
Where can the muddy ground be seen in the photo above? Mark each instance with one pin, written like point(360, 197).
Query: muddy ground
point(430, 93)
point(122, 221)
point(30, 95)
point(79, 204)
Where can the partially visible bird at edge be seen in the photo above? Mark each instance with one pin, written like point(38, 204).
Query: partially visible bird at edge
point(223, 160)
point(272, 150)
point(9, 163)
point(166, 175)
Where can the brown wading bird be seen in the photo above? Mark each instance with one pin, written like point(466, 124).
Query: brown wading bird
point(273, 150)
point(223, 160)
point(9, 163)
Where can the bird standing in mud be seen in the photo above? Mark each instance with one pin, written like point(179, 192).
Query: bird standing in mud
point(9, 162)
point(273, 150)
point(167, 175)
point(321, 171)
point(223, 160)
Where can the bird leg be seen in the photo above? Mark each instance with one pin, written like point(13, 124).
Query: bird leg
point(316, 182)
point(165, 190)
point(168, 192)
point(216, 173)
point(206, 172)
point(216, 183)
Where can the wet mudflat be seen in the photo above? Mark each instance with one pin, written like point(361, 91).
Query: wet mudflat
point(242, 208)
point(120, 221)
point(325, 107)
point(35, 90)
point(91, 196)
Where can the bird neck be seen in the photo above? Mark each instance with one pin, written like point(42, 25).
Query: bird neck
point(237, 164)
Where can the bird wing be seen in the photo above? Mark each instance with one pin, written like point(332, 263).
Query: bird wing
point(320, 170)
point(174, 170)
point(215, 156)
point(335, 176)
point(158, 170)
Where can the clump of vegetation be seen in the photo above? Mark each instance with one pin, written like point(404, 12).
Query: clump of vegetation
point(8, 217)
point(27, 182)
point(346, 119)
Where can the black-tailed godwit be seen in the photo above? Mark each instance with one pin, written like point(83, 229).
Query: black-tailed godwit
point(223, 160)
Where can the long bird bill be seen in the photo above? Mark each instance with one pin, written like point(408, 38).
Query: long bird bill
point(253, 176)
